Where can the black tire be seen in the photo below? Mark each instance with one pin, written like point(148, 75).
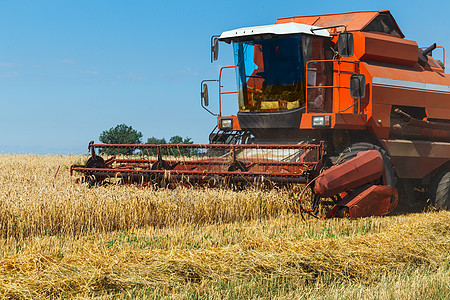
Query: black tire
point(95, 162)
point(439, 190)
point(353, 150)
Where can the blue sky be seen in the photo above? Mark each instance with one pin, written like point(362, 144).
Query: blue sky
point(71, 69)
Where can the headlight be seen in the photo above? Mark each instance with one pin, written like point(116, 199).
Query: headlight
point(321, 121)
point(226, 124)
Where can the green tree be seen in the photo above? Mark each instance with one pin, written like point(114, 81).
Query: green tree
point(169, 151)
point(153, 141)
point(121, 134)
point(188, 140)
point(176, 140)
point(179, 140)
point(156, 141)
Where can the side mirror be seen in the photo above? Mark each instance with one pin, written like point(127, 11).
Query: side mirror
point(214, 48)
point(345, 44)
point(358, 86)
point(204, 95)
point(204, 98)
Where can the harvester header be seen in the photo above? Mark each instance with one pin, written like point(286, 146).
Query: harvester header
point(207, 164)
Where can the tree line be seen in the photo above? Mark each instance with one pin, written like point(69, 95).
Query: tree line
point(124, 134)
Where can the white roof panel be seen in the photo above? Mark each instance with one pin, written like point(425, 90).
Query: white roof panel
point(266, 31)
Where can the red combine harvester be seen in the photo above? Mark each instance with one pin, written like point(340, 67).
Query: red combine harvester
point(342, 103)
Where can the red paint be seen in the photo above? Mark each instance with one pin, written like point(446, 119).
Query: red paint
point(374, 200)
point(364, 168)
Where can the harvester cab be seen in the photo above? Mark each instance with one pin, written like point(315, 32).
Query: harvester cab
point(285, 71)
point(342, 103)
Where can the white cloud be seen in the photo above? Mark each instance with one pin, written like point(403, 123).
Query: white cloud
point(131, 76)
point(6, 64)
point(67, 61)
point(180, 74)
point(10, 75)
point(89, 72)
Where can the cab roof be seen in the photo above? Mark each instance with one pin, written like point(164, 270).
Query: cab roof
point(371, 21)
point(270, 31)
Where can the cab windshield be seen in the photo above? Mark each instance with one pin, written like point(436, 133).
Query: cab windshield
point(271, 73)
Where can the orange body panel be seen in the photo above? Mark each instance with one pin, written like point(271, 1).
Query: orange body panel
point(415, 159)
point(385, 48)
point(338, 121)
point(355, 21)
point(393, 78)
point(417, 87)
point(389, 85)
point(235, 122)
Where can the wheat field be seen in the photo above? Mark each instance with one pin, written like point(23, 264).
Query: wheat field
point(60, 239)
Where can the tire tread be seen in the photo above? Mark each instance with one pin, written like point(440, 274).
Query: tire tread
point(440, 190)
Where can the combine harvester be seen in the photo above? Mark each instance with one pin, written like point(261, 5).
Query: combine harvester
point(342, 103)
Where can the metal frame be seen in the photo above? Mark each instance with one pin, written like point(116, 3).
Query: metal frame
point(220, 88)
point(338, 86)
point(443, 53)
point(201, 168)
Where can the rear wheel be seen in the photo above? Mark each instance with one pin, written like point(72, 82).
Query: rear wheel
point(95, 162)
point(439, 190)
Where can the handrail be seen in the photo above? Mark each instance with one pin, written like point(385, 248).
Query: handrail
point(220, 88)
point(443, 51)
point(338, 86)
